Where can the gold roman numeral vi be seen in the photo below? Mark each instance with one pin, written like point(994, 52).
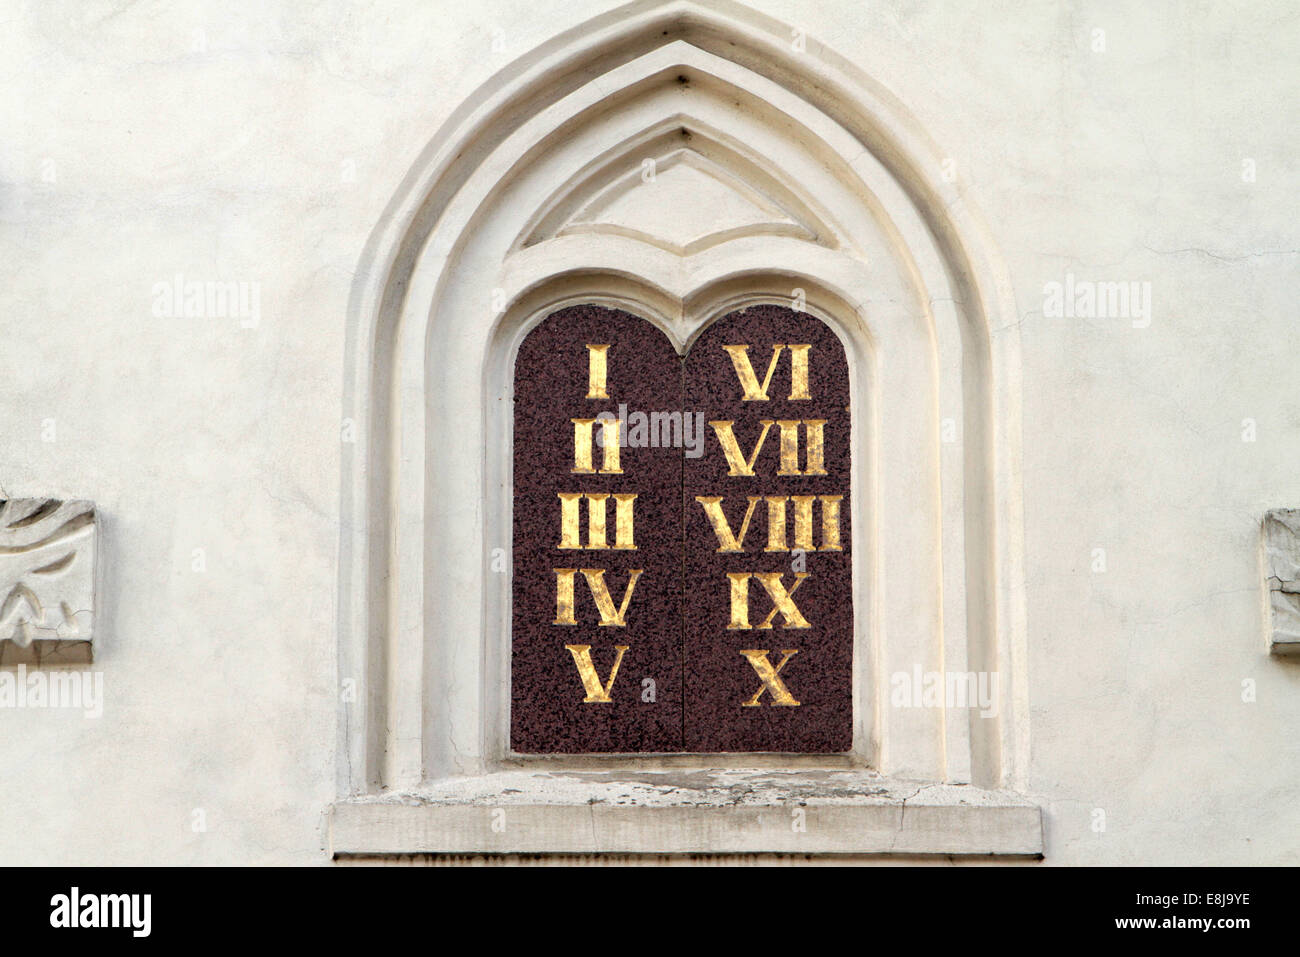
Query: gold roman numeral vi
point(753, 390)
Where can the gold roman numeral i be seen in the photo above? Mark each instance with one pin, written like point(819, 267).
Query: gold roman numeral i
point(597, 371)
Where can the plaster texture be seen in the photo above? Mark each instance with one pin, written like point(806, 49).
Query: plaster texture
point(190, 196)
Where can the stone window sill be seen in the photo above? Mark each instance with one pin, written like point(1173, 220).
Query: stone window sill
point(687, 812)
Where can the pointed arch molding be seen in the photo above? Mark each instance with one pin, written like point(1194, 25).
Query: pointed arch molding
point(557, 183)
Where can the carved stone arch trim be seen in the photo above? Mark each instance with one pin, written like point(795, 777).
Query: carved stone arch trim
point(684, 139)
point(473, 249)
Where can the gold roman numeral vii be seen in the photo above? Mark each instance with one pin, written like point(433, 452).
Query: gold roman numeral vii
point(740, 465)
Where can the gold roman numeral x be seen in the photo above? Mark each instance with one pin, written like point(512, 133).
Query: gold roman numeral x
point(770, 677)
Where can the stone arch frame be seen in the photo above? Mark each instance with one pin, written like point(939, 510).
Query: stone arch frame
point(705, 307)
point(456, 271)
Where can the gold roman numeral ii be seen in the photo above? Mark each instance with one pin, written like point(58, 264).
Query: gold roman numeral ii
point(583, 431)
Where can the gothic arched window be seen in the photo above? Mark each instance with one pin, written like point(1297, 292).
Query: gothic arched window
point(676, 183)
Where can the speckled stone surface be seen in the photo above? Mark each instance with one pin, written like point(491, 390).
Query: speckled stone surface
point(719, 679)
point(676, 630)
point(548, 713)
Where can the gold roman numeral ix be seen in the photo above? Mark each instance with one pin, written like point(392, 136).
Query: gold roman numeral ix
point(782, 600)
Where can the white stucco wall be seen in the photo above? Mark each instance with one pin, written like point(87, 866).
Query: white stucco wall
point(261, 146)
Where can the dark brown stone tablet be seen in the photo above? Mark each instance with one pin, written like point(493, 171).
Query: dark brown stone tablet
point(597, 539)
point(689, 588)
point(768, 604)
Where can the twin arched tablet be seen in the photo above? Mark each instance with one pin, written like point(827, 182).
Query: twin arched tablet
point(682, 568)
